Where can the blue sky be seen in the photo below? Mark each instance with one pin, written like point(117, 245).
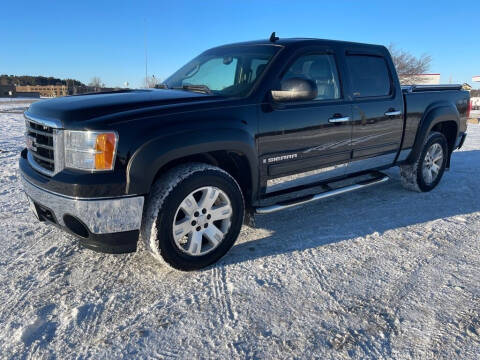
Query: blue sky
point(82, 39)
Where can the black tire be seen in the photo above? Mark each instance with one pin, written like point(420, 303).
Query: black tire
point(166, 196)
point(412, 176)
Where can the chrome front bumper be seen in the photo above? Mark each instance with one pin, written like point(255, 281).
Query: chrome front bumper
point(100, 216)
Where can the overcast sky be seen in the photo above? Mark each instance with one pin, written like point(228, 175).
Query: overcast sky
point(82, 39)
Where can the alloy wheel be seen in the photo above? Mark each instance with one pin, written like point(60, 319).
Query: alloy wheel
point(202, 220)
point(432, 163)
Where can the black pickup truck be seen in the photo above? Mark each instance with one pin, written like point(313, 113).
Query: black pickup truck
point(245, 128)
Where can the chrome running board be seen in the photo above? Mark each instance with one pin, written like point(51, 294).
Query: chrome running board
point(324, 195)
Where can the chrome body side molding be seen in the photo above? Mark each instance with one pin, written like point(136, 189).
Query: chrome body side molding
point(304, 178)
point(330, 172)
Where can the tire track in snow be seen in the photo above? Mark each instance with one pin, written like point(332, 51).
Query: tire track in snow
point(12, 268)
point(166, 354)
point(99, 309)
point(228, 295)
point(223, 298)
point(169, 355)
point(20, 300)
point(216, 293)
point(320, 278)
point(135, 317)
point(220, 294)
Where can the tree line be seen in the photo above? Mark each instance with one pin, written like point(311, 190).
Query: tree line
point(37, 80)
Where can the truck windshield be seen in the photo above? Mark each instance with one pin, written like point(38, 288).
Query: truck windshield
point(224, 71)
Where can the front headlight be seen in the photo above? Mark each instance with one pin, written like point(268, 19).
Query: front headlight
point(90, 150)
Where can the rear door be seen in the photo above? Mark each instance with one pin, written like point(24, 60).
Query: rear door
point(377, 122)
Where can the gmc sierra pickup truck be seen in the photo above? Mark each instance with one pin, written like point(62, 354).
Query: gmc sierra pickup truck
point(242, 129)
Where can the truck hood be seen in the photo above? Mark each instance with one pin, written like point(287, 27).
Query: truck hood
point(78, 108)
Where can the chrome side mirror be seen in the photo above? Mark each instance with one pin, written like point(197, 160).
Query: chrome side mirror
point(295, 89)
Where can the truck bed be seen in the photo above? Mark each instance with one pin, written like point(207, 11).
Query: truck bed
point(419, 98)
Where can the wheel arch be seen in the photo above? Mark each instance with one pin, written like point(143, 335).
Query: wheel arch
point(234, 153)
point(443, 118)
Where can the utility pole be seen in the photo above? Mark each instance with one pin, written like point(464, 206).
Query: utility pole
point(146, 61)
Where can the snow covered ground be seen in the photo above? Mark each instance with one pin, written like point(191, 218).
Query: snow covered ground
point(380, 273)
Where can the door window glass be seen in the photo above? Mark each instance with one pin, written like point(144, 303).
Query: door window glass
point(321, 69)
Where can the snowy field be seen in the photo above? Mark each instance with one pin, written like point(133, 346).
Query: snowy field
point(380, 273)
point(475, 114)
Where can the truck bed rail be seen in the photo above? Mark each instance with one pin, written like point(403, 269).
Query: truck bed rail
point(420, 88)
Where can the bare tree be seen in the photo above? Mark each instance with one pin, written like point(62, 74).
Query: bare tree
point(96, 82)
point(151, 81)
point(408, 66)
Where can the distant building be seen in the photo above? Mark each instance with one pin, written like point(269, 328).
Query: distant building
point(420, 79)
point(475, 100)
point(28, 94)
point(44, 90)
point(7, 91)
point(427, 79)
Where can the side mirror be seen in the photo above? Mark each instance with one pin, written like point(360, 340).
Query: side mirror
point(295, 89)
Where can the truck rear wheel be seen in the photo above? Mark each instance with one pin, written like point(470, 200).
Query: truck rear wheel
point(425, 174)
point(193, 216)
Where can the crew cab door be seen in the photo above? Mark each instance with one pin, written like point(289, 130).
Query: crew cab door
point(307, 139)
point(377, 124)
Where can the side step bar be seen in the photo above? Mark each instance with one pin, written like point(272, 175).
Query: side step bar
point(324, 195)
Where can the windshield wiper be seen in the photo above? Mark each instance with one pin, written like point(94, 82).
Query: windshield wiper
point(197, 88)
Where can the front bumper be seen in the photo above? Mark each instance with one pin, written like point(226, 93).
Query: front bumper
point(103, 224)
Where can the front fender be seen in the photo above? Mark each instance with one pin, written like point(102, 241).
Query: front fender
point(432, 116)
point(156, 153)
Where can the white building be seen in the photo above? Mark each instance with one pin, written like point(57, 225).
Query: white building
point(475, 103)
point(420, 79)
point(428, 79)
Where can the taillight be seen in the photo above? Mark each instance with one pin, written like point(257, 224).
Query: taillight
point(469, 108)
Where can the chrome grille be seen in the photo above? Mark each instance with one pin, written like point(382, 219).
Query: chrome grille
point(40, 145)
point(42, 137)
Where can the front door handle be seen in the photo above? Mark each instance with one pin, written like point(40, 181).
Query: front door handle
point(339, 119)
point(393, 113)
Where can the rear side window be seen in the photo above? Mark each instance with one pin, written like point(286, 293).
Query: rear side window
point(369, 75)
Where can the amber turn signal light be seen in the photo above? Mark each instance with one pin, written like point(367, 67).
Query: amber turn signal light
point(105, 148)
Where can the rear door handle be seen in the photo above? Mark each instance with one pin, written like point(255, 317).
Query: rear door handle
point(393, 113)
point(339, 119)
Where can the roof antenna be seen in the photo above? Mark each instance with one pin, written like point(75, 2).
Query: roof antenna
point(273, 38)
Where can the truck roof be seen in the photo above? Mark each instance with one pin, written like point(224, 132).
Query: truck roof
point(287, 42)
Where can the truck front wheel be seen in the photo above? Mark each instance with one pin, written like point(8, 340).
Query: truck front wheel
point(425, 174)
point(193, 216)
